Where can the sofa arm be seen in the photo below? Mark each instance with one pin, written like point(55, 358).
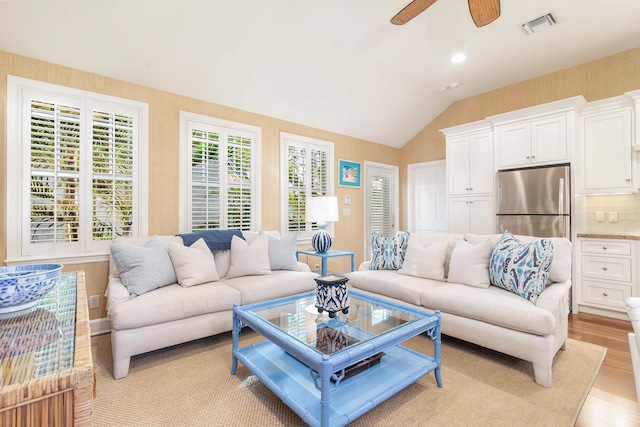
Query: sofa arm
point(116, 293)
point(364, 266)
point(555, 299)
point(304, 267)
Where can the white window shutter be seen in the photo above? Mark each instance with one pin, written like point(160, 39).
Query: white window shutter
point(55, 173)
point(381, 218)
point(112, 175)
point(222, 183)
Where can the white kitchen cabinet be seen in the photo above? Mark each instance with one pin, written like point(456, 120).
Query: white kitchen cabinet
point(533, 142)
point(607, 272)
point(470, 164)
point(474, 214)
point(544, 134)
point(605, 152)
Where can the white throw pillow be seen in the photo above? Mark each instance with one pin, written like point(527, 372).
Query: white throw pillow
point(193, 264)
point(469, 264)
point(249, 259)
point(427, 262)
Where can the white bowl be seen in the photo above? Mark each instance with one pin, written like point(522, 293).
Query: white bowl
point(22, 285)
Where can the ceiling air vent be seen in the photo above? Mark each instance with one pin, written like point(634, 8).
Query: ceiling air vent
point(538, 24)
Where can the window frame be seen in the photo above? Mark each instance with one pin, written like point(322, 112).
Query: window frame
point(185, 187)
point(18, 164)
point(287, 140)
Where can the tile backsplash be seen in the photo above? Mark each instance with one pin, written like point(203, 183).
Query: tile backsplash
point(627, 207)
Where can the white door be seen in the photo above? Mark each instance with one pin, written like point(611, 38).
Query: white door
point(427, 205)
point(381, 204)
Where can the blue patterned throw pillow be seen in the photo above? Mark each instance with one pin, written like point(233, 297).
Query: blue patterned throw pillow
point(521, 268)
point(387, 253)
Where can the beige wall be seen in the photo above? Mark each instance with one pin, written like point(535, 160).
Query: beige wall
point(164, 110)
point(603, 78)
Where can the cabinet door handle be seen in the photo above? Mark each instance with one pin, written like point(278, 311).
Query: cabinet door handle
point(528, 157)
point(533, 156)
point(470, 188)
point(604, 268)
point(605, 294)
point(604, 248)
point(628, 179)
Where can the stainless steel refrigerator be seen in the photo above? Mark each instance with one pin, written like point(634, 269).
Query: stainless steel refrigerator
point(534, 201)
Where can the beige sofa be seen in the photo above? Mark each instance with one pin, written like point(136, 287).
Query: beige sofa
point(174, 314)
point(489, 316)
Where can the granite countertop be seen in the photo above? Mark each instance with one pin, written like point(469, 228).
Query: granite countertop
point(608, 236)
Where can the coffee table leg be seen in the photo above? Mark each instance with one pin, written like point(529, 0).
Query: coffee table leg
point(436, 351)
point(235, 333)
point(325, 395)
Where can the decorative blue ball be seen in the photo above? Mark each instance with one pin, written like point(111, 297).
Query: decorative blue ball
point(321, 241)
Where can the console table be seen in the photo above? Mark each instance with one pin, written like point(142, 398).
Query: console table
point(46, 365)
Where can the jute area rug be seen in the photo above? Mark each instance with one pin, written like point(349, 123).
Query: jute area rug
point(191, 385)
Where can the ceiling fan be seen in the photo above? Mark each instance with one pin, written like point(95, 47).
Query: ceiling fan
point(483, 12)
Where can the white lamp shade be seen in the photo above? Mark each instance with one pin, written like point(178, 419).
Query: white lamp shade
point(322, 209)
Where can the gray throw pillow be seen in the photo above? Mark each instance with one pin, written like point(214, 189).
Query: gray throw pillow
point(282, 252)
point(144, 268)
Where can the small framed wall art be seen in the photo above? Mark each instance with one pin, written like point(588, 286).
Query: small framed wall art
point(349, 174)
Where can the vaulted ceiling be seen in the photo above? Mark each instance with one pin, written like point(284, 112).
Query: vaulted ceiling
point(338, 65)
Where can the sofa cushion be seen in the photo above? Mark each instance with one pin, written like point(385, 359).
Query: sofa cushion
point(193, 264)
point(470, 264)
point(387, 253)
point(491, 305)
point(391, 284)
point(143, 268)
point(282, 252)
point(521, 268)
point(249, 259)
point(278, 284)
point(425, 261)
point(173, 302)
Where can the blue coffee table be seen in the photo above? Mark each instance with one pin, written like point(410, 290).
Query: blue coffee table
point(309, 359)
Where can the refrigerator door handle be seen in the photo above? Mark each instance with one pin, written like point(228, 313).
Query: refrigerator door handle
point(561, 197)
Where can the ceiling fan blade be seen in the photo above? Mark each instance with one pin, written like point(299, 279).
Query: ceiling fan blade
point(484, 12)
point(410, 11)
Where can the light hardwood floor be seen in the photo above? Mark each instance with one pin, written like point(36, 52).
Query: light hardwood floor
point(612, 399)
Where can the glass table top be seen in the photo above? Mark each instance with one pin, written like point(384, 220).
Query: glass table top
point(366, 319)
point(39, 341)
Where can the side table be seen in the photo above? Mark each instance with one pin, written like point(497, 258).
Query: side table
point(331, 253)
point(47, 369)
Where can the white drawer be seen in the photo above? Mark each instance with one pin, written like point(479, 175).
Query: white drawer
point(606, 294)
point(606, 247)
point(618, 269)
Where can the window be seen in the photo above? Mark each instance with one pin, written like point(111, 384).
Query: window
point(380, 201)
point(219, 174)
point(308, 165)
point(75, 171)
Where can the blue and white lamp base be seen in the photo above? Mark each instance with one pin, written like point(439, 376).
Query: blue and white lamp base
point(321, 240)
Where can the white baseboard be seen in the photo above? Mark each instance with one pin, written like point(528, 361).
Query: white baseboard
point(100, 326)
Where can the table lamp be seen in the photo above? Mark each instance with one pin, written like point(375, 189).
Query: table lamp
point(321, 210)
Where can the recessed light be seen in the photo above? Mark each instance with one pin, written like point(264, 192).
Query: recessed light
point(458, 57)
